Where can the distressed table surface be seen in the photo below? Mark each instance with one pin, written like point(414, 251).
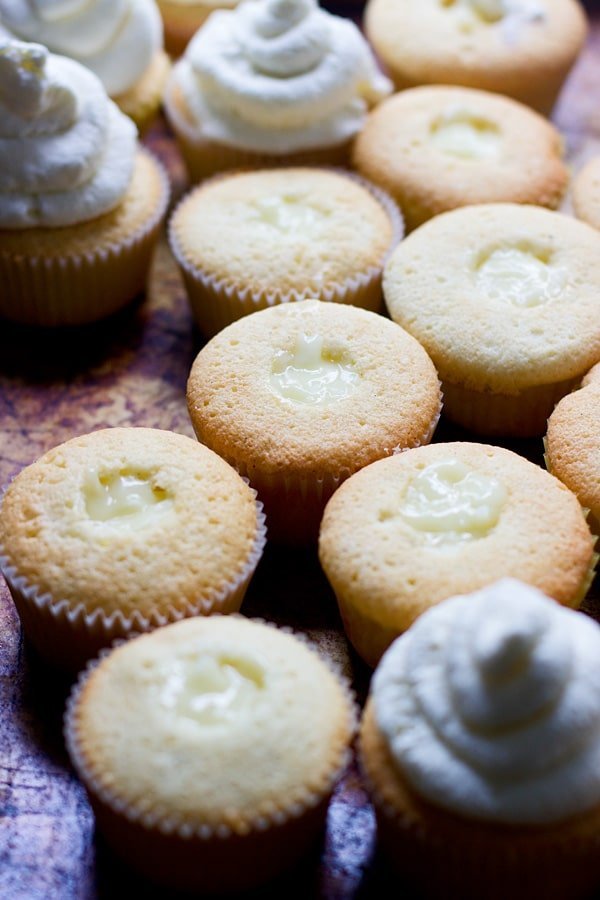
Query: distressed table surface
point(132, 370)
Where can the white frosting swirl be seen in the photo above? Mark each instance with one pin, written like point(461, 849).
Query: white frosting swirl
point(279, 76)
point(490, 705)
point(116, 39)
point(66, 152)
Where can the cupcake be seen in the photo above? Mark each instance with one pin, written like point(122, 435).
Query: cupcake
point(437, 148)
point(209, 750)
point(504, 298)
point(183, 18)
point(122, 43)
point(80, 203)
point(298, 233)
point(522, 48)
point(123, 530)
point(586, 193)
point(272, 82)
point(407, 532)
point(480, 744)
point(299, 396)
point(573, 445)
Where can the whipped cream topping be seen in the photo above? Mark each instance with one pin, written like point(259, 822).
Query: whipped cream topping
point(116, 39)
point(279, 76)
point(66, 152)
point(490, 705)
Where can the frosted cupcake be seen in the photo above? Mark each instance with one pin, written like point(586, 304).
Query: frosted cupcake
point(573, 445)
point(436, 148)
point(120, 41)
point(406, 533)
point(124, 530)
point(586, 193)
point(80, 203)
point(481, 746)
point(522, 48)
point(272, 82)
point(504, 298)
point(209, 750)
point(298, 233)
point(183, 18)
point(299, 396)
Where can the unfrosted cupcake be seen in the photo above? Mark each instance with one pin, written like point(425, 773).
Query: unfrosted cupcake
point(251, 240)
point(123, 530)
point(522, 48)
point(586, 193)
point(209, 750)
point(481, 747)
point(437, 148)
point(80, 203)
point(183, 18)
point(299, 396)
point(573, 445)
point(504, 298)
point(120, 41)
point(272, 82)
point(405, 533)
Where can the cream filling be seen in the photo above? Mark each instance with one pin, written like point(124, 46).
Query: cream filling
point(521, 275)
point(124, 501)
point(509, 16)
point(289, 214)
point(449, 502)
point(312, 373)
point(211, 688)
point(466, 135)
point(490, 706)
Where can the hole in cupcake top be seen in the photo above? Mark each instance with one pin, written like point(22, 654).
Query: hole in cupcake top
point(313, 373)
point(211, 687)
point(521, 274)
point(467, 135)
point(487, 11)
point(288, 214)
point(449, 502)
point(125, 499)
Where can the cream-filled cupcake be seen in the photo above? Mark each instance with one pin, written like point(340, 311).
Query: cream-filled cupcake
point(586, 193)
point(299, 396)
point(121, 41)
point(209, 750)
point(522, 48)
point(298, 233)
point(481, 747)
point(506, 301)
point(437, 148)
point(406, 533)
point(124, 530)
point(573, 445)
point(272, 82)
point(183, 18)
point(80, 203)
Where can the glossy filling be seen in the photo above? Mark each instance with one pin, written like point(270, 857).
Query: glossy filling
point(466, 135)
point(449, 502)
point(521, 275)
point(289, 214)
point(125, 500)
point(313, 373)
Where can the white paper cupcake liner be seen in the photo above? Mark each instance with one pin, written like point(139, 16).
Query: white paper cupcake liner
point(67, 636)
point(217, 302)
point(77, 289)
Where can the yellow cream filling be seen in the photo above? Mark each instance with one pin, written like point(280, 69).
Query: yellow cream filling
point(289, 214)
point(313, 373)
point(485, 11)
point(449, 502)
point(211, 687)
point(522, 275)
point(466, 135)
point(124, 500)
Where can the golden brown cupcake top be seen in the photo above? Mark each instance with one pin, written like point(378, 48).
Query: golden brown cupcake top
point(129, 519)
point(436, 148)
point(296, 232)
point(503, 297)
point(586, 193)
point(307, 388)
point(214, 725)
